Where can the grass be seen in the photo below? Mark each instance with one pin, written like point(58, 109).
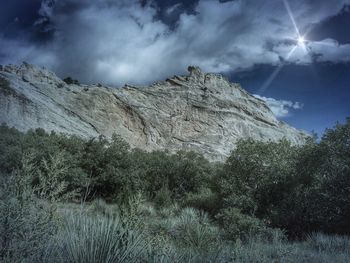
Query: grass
point(100, 232)
point(298, 252)
point(138, 231)
point(330, 244)
point(175, 234)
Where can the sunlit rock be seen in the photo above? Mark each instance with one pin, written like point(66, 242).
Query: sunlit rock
point(201, 112)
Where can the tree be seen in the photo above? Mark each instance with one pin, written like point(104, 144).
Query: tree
point(257, 176)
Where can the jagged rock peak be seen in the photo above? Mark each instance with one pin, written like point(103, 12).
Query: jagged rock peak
point(195, 72)
point(29, 72)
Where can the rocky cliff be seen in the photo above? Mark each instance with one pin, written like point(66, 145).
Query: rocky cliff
point(201, 112)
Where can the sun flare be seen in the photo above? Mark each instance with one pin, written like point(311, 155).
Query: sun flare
point(301, 40)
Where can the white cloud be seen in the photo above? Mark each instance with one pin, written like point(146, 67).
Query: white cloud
point(119, 42)
point(329, 50)
point(281, 108)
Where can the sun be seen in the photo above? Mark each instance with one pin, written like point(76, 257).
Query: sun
point(301, 40)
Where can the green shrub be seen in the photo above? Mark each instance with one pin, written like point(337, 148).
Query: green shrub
point(10, 149)
point(27, 224)
point(131, 210)
point(257, 175)
point(181, 172)
point(205, 199)
point(300, 189)
point(163, 197)
point(333, 190)
point(111, 170)
point(238, 225)
point(70, 81)
point(320, 203)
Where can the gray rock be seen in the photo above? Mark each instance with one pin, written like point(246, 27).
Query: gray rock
point(202, 112)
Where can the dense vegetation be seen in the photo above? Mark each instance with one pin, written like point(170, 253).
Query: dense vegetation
point(66, 199)
point(69, 81)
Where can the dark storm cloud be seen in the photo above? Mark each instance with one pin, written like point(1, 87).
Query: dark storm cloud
point(333, 27)
point(142, 41)
point(15, 21)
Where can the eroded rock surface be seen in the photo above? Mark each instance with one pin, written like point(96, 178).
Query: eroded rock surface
point(201, 112)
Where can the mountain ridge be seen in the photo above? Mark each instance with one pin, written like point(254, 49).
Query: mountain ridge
point(203, 112)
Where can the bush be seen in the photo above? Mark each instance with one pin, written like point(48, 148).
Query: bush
point(70, 81)
point(205, 199)
point(257, 175)
point(27, 225)
point(181, 172)
point(301, 189)
point(102, 168)
point(110, 167)
point(162, 197)
point(10, 149)
point(320, 203)
point(238, 225)
point(334, 181)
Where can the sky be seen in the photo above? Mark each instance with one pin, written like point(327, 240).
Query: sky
point(293, 54)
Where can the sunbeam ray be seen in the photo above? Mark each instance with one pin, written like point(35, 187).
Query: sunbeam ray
point(274, 74)
point(300, 41)
point(286, 4)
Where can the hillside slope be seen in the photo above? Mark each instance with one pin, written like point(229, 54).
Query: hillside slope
point(201, 112)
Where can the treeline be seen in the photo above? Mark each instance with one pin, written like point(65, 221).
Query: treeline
point(261, 186)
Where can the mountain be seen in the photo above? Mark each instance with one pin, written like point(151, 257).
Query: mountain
point(203, 112)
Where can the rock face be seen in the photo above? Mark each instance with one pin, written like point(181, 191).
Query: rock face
point(201, 112)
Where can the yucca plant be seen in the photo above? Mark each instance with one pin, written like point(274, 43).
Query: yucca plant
point(193, 228)
point(193, 232)
point(88, 239)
